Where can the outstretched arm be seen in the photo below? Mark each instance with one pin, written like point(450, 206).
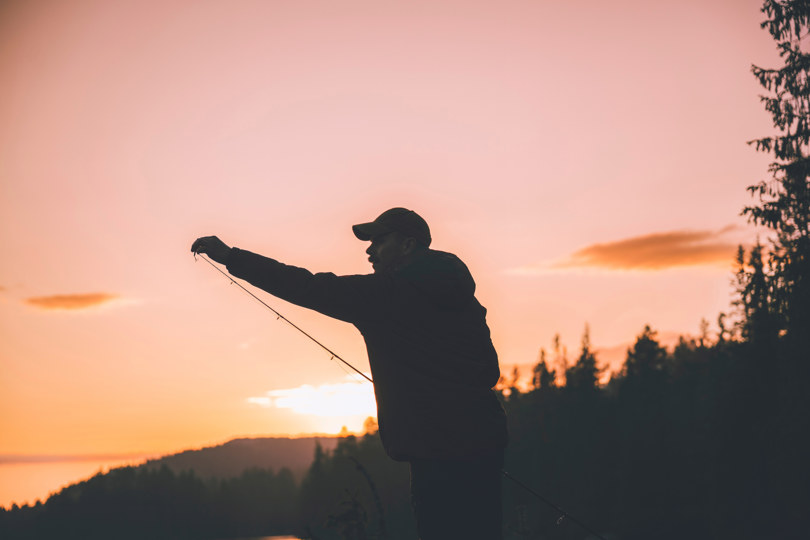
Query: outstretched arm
point(348, 298)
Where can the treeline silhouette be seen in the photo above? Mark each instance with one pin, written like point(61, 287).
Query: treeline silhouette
point(705, 441)
point(341, 493)
point(139, 502)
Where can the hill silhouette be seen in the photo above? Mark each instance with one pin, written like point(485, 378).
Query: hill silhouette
point(232, 458)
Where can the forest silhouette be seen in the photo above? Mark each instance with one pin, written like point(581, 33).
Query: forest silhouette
point(709, 440)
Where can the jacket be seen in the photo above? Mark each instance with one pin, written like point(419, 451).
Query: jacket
point(428, 343)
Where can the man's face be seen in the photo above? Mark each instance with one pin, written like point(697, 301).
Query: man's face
point(385, 251)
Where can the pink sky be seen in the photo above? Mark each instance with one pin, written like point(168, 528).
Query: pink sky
point(586, 159)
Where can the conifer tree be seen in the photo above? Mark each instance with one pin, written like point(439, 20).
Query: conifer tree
point(756, 299)
point(584, 374)
point(778, 394)
point(783, 202)
point(646, 359)
point(542, 376)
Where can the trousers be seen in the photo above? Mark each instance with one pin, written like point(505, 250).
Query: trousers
point(458, 499)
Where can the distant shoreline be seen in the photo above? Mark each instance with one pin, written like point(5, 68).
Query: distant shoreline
point(20, 459)
point(23, 459)
point(27, 478)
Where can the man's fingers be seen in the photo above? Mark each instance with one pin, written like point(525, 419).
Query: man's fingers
point(199, 245)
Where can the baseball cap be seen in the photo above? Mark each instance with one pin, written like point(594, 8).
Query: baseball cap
point(401, 220)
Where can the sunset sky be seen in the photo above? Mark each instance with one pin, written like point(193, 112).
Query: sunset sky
point(586, 159)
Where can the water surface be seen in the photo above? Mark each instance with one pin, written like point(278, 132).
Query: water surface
point(25, 482)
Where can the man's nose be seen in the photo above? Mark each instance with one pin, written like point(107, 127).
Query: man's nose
point(370, 250)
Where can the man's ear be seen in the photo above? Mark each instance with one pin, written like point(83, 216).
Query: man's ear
point(408, 246)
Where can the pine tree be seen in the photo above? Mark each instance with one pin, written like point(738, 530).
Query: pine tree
point(756, 299)
point(542, 376)
point(584, 374)
point(646, 359)
point(784, 201)
point(775, 373)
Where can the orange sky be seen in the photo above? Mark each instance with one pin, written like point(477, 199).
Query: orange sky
point(587, 159)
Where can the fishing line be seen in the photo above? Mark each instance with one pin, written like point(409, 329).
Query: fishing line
point(335, 356)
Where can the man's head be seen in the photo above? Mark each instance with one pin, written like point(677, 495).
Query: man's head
point(395, 236)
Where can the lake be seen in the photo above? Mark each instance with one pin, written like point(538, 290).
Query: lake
point(25, 482)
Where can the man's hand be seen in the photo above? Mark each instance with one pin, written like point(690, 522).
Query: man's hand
point(212, 246)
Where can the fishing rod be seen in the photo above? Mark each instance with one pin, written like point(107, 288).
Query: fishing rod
point(335, 356)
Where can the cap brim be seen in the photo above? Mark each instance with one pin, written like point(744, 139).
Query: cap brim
point(367, 231)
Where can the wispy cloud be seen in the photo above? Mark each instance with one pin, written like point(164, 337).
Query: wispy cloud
point(71, 302)
point(340, 399)
point(649, 252)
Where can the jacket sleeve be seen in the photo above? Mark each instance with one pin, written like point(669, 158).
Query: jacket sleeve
point(348, 298)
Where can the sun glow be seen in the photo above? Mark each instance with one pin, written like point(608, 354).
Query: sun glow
point(349, 398)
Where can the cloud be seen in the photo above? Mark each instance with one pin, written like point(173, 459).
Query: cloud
point(340, 399)
point(649, 252)
point(71, 302)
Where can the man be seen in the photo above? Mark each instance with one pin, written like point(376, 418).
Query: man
point(431, 359)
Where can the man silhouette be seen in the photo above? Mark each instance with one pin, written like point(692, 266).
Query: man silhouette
point(432, 361)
